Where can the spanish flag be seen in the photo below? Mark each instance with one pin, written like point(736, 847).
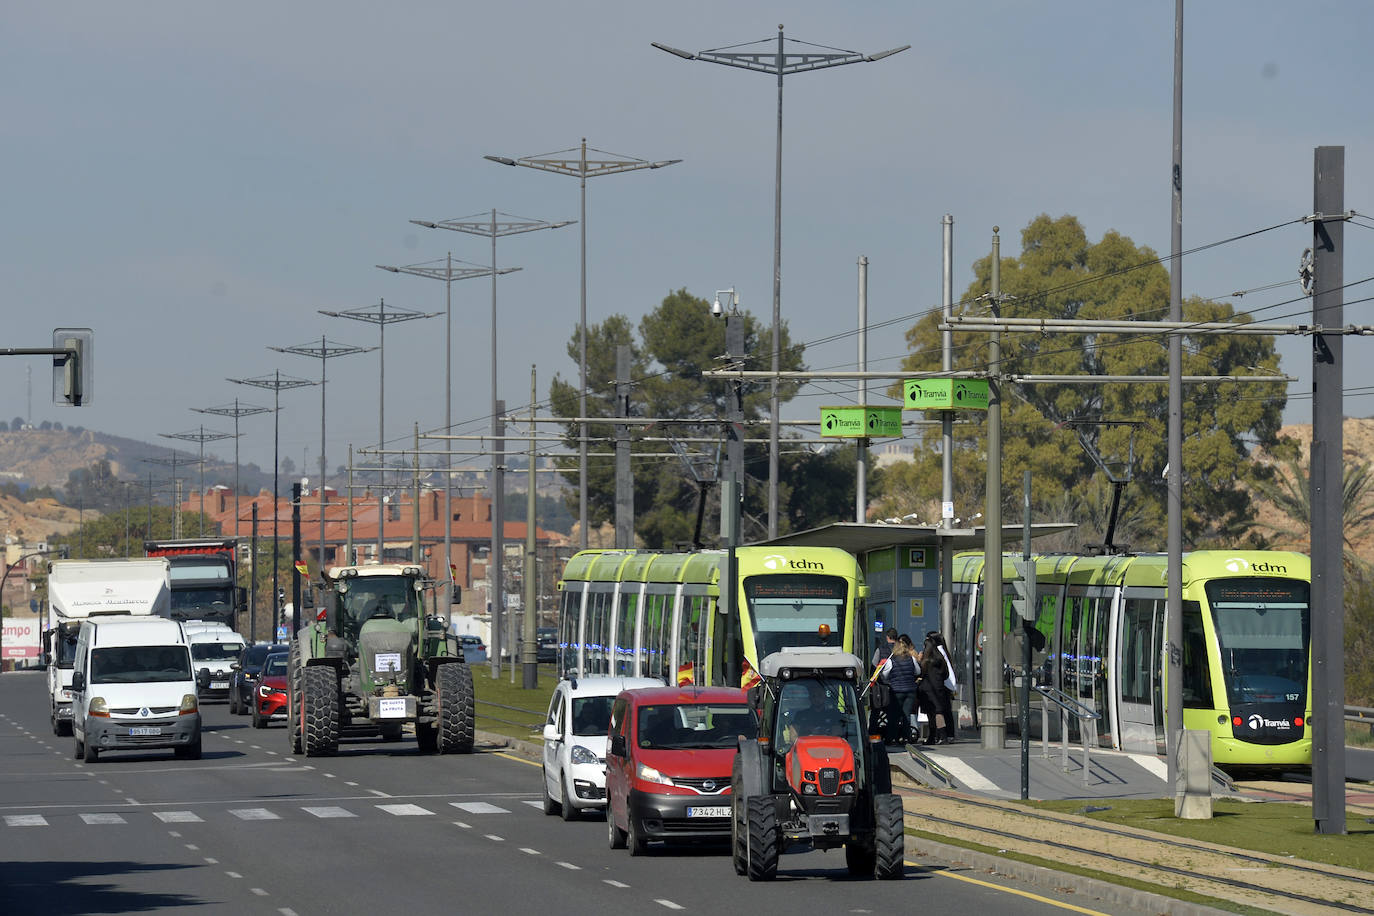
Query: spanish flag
point(684, 674)
point(749, 677)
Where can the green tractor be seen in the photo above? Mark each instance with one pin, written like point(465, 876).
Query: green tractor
point(373, 661)
point(815, 776)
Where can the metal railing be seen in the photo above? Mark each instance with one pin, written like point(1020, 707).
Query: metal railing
point(1067, 706)
point(1361, 714)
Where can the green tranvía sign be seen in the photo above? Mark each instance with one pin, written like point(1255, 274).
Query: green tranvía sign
point(862, 422)
point(945, 394)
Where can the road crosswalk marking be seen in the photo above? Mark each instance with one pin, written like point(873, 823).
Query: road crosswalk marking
point(103, 819)
point(480, 808)
point(25, 820)
point(405, 810)
point(329, 812)
point(178, 817)
point(254, 814)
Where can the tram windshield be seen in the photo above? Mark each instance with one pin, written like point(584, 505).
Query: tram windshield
point(788, 610)
point(1263, 630)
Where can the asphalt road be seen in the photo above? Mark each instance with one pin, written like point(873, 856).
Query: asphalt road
point(251, 828)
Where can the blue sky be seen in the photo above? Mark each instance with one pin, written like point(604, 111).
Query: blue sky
point(194, 180)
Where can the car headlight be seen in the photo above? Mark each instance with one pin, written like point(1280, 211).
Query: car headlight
point(98, 707)
point(580, 754)
point(649, 774)
point(189, 705)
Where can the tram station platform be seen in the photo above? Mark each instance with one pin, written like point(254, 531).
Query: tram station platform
point(966, 766)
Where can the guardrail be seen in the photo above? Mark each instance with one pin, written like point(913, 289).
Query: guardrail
point(1360, 714)
point(1067, 706)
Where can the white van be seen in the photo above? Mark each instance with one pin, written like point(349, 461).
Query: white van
point(575, 732)
point(132, 688)
point(214, 649)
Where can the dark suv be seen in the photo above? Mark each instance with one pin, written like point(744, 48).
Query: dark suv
point(546, 645)
point(246, 671)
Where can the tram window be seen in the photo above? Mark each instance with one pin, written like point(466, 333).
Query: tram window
point(1068, 644)
point(1263, 630)
point(656, 636)
point(623, 654)
point(598, 634)
point(1197, 677)
point(788, 610)
point(1137, 628)
point(569, 617)
point(689, 641)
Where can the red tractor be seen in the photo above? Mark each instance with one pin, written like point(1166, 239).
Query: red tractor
point(815, 775)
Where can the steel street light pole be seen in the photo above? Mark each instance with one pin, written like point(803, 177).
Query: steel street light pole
point(322, 352)
point(582, 169)
point(493, 228)
point(235, 410)
point(202, 436)
point(276, 382)
point(778, 63)
point(381, 318)
point(448, 275)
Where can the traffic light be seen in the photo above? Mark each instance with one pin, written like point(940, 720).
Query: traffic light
point(1023, 588)
point(73, 376)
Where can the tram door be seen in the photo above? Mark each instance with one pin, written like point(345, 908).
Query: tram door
point(1139, 684)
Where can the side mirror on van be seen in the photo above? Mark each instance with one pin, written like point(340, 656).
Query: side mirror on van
point(78, 681)
point(617, 745)
point(550, 732)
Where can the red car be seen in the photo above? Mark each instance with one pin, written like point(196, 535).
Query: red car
point(669, 762)
point(269, 691)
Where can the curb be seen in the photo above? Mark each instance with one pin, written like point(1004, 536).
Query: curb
point(1048, 878)
point(514, 745)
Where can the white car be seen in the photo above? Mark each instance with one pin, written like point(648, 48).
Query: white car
point(575, 741)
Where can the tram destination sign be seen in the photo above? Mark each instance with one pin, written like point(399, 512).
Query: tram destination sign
point(945, 394)
point(862, 422)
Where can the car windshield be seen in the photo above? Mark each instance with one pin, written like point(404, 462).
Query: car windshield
point(695, 725)
point(789, 610)
point(139, 664)
point(591, 716)
point(253, 656)
point(275, 665)
point(215, 651)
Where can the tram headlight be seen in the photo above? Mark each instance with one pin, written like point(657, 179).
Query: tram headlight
point(1221, 720)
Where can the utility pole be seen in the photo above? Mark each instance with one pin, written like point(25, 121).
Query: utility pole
point(529, 658)
point(202, 436)
point(624, 473)
point(861, 445)
point(325, 351)
point(582, 168)
point(731, 497)
point(990, 712)
point(1327, 483)
point(234, 410)
point(430, 271)
point(778, 63)
point(1173, 603)
point(381, 318)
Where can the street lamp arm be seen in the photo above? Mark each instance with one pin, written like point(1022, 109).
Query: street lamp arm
point(881, 54)
point(685, 55)
point(503, 160)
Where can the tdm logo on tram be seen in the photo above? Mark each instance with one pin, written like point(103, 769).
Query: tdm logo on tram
point(1241, 565)
point(776, 562)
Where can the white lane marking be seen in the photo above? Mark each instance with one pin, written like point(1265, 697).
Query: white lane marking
point(494, 838)
point(259, 891)
point(967, 775)
point(1151, 764)
point(254, 814)
point(193, 847)
point(347, 783)
point(286, 911)
point(480, 808)
point(25, 820)
point(405, 810)
point(569, 866)
point(463, 825)
point(233, 874)
point(379, 793)
point(329, 812)
point(613, 883)
point(530, 852)
point(535, 804)
point(668, 903)
point(178, 817)
point(210, 861)
point(103, 819)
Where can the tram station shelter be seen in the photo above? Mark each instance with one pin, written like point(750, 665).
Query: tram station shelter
point(901, 563)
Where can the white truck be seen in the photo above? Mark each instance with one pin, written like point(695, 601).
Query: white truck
point(214, 650)
point(84, 589)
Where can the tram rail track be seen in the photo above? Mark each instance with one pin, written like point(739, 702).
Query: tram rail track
point(1165, 863)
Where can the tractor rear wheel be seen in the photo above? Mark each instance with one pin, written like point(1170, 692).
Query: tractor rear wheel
point(860, 858)
point(295, 720)
point(453, 696)
point(320, 704)
point(764, 839)
point(889, 836)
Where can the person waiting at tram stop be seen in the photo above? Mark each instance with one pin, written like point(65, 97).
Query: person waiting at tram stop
point(931, 694)
point(951, 684)
point(902, 682)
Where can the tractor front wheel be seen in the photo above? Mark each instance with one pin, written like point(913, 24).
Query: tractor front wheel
point(764, 839)
point(453, 696)
point(889, 836)
point(320, 705)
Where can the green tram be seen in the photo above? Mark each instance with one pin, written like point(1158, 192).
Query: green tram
point(1098, 636)
point(642, 614)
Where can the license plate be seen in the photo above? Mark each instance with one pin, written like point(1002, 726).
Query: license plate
point(145, 731)
point(219, 685)
point(391, 708)
point(709, 811)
